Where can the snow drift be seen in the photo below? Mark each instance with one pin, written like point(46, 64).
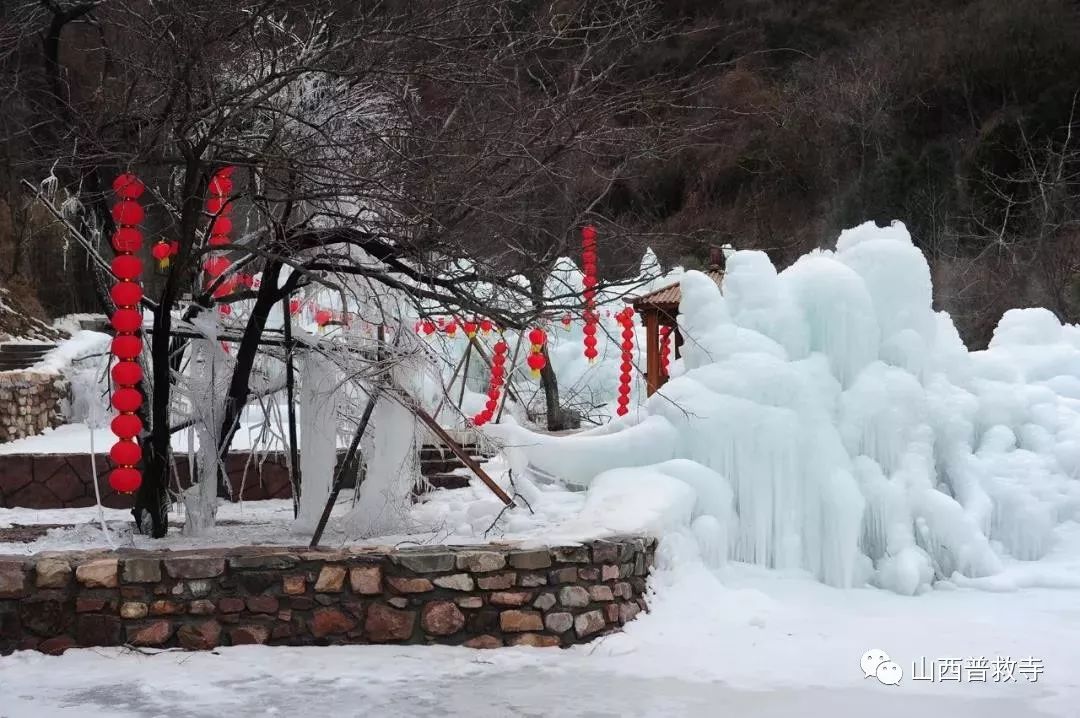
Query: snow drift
point(829, 420)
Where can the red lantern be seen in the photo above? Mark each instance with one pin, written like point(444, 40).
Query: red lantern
point(127, 239)
point(590, 341)
point(217, 205)
point(588, 233)
point(626, 367)
point(470, 329)
point(216, 266)
point(127, 266)
point(161, 253)
point(125, 452)
point(500, 348)
point(126, 294)
point(126, 321)
point(128, 186)
point(536, 362)
point(127, 399)
point(491, 405)
point(428, 327)
point(218, 240)
point(591, 353)
point(127, 426)
point(128, 212)
point(125, 479)
point(127, 373)
point(225, 309)
point(537, 337)
point(588, 281)
point(294, 306)
point(589, 329)
point(451, 328)
point(221, 185)
point(486, 326)
point(126, 346)
point(566, 321)
point(322, 317)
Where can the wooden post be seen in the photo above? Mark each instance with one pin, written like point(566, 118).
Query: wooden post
point(652, 352)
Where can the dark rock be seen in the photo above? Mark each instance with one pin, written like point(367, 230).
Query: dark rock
point(141, 570)
point(441, 618)
point(570, 554)
point(262, 604)
point(387, 624)
point(56, 645)
point(484, 641)
point(230, 604)
point(327, 621)
point(514, 621)
point(497, 582)
point(539, 558)
point(248, 634)
point(43, 617)
point(425, 561)
point(272, 561)
point(155, 633)
point(195, 566)
point(201, 636)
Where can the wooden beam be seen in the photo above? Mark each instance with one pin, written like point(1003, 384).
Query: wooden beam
point(652, 351)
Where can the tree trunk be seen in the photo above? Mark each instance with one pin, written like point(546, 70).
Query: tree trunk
point(556, 417)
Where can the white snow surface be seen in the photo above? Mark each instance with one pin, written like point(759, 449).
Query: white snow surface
point(847, 430)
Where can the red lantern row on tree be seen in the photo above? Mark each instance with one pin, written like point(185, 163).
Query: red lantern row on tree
point(126, 322)
point(219, 207)
point(626, 319)
point(498, 375)
point(536, 359)
point(588, 268)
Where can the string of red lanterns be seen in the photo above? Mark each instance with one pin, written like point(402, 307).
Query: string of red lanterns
point(536, 360)
point(498, 374)
point(626, 319)
point(126, 344)
point(588, 268)
point(219, 207)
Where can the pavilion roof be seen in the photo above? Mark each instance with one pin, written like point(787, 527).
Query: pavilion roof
point(667, 298)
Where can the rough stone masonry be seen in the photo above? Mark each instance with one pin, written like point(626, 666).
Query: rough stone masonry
point(476, 596)
point(30, 402)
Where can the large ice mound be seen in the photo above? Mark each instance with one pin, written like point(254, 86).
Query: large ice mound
point(842, 427)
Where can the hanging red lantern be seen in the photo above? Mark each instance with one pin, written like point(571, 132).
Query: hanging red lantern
point(537, 337)
point(500, 347)
point(591, 353)
point(665, 349)
point(125, 452)
point(294, 306)
point(125, 321)
point(589, 282)
point(536, 362)
point(451, 328)
point(162, 252)
point(127, 239)
point(221, 226)
point(128, 186)
point(127, 373)
point(323, 317)
point(125, 479)
point(126, 426)
point(486, 325)
point(127, 399)
point(566, 321)
point(626, 319)
point(428, 328)
point(470, 329)
point(127, 266)
point(128, 212)
point(216, 266)
point(588, 233)
point(589, 330)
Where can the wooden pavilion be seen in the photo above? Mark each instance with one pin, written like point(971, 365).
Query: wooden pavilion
point(660, 308)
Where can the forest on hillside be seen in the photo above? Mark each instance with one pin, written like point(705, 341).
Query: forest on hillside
point(766, 124)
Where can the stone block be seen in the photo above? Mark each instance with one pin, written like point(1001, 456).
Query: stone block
point(605, 552)
point(366, 580)
point(426, 561)
point(88, 605)
point(570, 554)
point(261, 604)
point(516, 621)
point(201, 636)
point(544, 601)
point(277, 562)
point(532, 580)
point(601, 593)
point(133, 609)
point(470, 602)
point(56, 645)
point(588, 623)
point(188, 567)
point(609, 573)
point(248, 635)
point(295, 585)
point(456, 582)
point(483, 622)
point(627, 611)
point(100, 573)
point(384, 624)
point(52, 573)
point(403, 584)
point(93, 629)
point(483, 641)
point(592, 573)
point(441, 618)
point(43, 616)
point(331, 579)
point(155, 633)
point(573, 597)
point(509, 598)
point(536, 640)
point(559, 622)
point(563, 575)
point(539, 558)
point(201, 607)
point(141, 570)
point(497, 582)
point(230, 604)
point(480, 561)
point(328, 621)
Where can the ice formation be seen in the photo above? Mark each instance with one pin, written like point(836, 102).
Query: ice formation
point(829, 420)
point(320, 396)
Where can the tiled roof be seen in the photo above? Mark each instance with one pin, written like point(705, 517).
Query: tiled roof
point(669, 297)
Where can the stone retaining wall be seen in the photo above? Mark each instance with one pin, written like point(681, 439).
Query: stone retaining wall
point(60, 481)
point(30, 402)
point(481, 597)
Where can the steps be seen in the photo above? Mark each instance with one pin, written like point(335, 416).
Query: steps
point(443, 470)
point(18, 355)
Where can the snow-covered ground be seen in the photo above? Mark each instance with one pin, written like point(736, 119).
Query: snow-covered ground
point(740, 642)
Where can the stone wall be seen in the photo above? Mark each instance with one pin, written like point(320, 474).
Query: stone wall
point(481, 597)
point(30, 402)
point(57, 481)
